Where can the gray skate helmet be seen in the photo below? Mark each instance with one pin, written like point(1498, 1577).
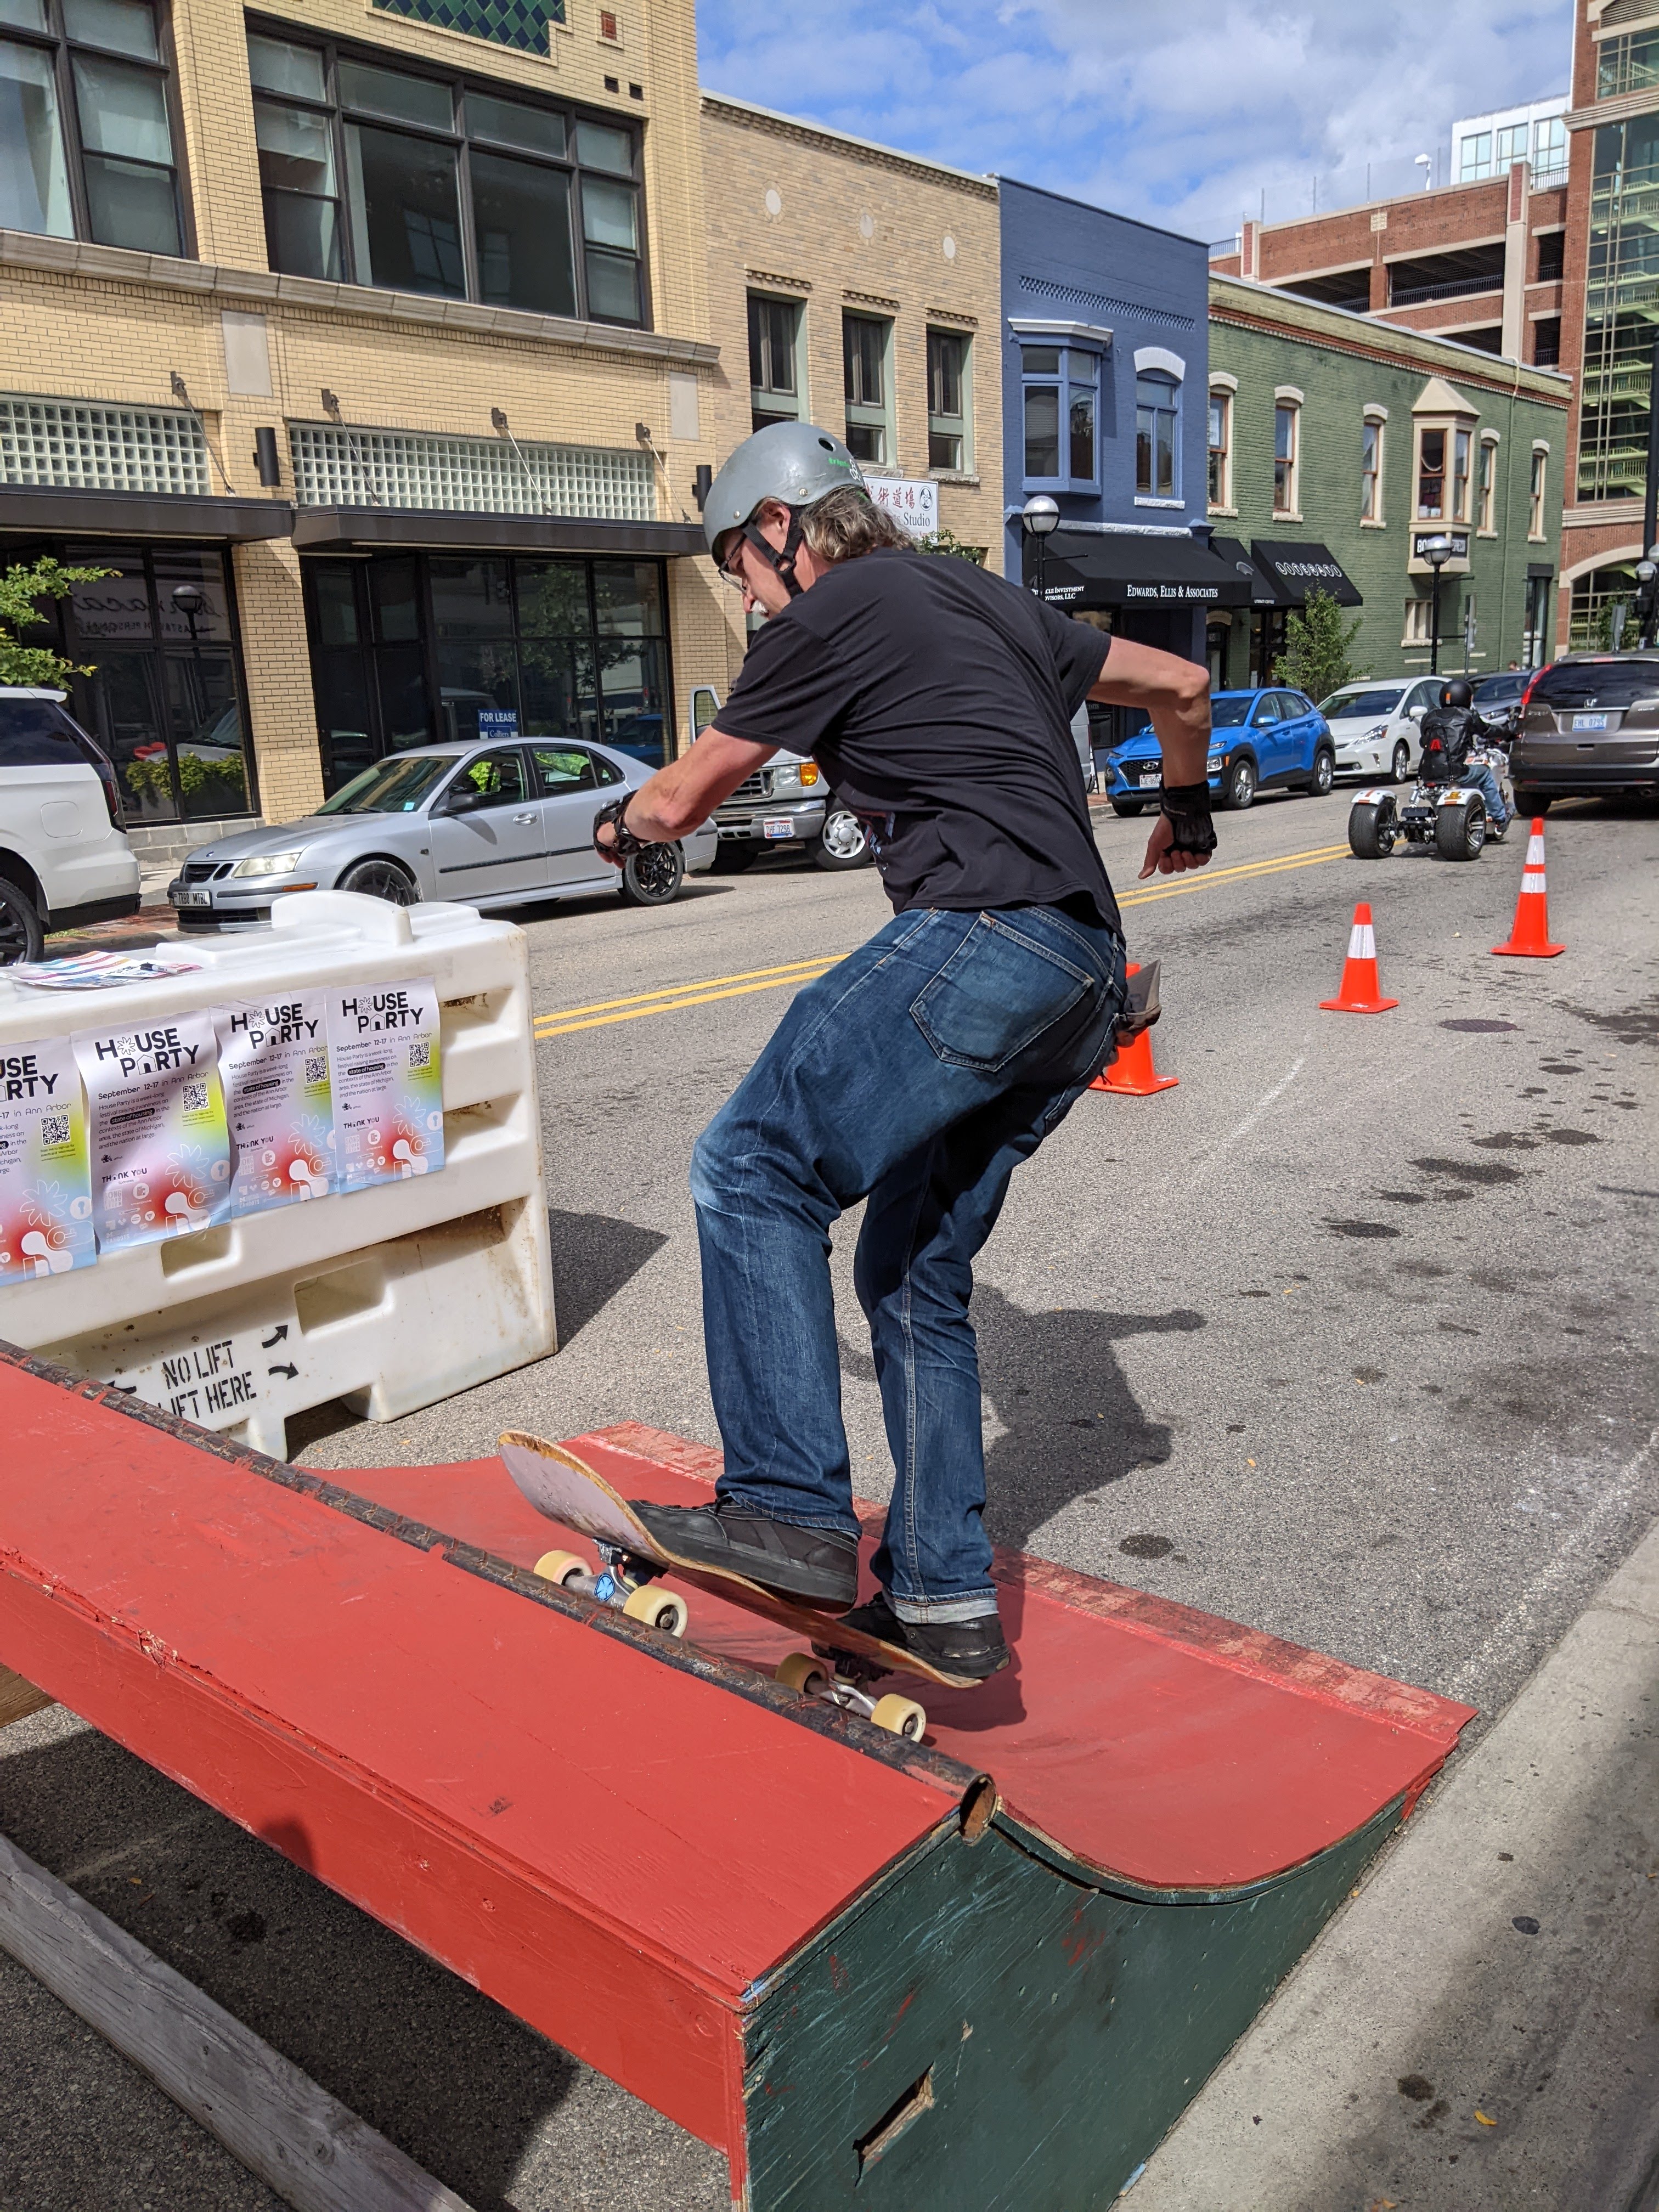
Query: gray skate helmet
point(794, 463)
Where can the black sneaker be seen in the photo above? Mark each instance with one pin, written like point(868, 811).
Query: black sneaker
point(975, 1648)
point(818, 1566)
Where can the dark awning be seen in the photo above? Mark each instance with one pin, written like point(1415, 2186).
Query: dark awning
point(1124, 568)
point(1264, 592)
point(1297, 568)
point(45, 511)
point(369, 529)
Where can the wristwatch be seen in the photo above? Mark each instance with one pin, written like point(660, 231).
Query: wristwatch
point(627, 844)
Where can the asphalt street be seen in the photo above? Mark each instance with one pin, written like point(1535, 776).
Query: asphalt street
point(1348, 1337)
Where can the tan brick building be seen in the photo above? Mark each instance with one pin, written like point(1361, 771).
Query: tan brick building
point(374, 356)
point(856, 287)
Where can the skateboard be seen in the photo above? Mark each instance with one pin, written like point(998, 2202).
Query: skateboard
point(842, 1662)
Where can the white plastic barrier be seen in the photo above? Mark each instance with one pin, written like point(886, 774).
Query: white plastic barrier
point(390, 1296)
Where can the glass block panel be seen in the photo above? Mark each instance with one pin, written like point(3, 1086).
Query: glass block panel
point(77, 444)
point(335, 467)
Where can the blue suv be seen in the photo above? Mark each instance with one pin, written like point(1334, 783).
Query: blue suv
point(1269, 740)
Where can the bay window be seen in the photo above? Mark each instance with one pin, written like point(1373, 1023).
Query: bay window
point(86, 145)
point(1460, 475)
point(423, 183)
point(1062, 387)
point(1431, 475)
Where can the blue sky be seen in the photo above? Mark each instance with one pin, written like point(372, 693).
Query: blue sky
point(1179, 113)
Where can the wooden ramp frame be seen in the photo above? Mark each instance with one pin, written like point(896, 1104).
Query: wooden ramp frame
point(989, 1969)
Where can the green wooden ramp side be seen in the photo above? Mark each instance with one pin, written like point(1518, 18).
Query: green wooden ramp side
point(983, 2031)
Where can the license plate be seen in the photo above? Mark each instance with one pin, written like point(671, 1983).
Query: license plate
point(1150, 783)
point(186, 895)
point(784, 827)
point(1589, 721)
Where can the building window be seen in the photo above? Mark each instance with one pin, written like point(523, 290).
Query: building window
point(1546, 342)
point(1370, 472)
point(1511, 145)
point(407, 646)
point(948, 386)
point(1431, 475)
point(1157, 436)
point(865, 345)
point(1488, 489)
point(1624, 246)
point(1061, 391)
point(430, 184)
point(774, 361)
point(1461, 476)
point(88, 145)
point(1549, 146)
point(1417, 622)
point(1629, 64)
point(1536, 495)
point(1552, 256)
point(1221, 449)
point(1474, 157)
point(1287, 443)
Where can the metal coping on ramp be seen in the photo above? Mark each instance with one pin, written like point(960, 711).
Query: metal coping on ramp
point(868, 1974)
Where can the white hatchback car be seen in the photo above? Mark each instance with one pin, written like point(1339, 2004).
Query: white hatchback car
point(1376, 724)
point(63, 853)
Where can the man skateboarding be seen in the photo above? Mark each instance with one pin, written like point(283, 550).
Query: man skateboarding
point(920, 1071)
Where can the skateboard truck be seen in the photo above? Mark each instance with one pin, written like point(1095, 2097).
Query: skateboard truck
point(838, 1677)
point(623, 1581)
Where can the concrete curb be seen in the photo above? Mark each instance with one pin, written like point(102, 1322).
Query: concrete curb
point(1478, 2027)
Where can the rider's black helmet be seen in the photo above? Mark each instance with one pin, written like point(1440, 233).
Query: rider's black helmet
point(1457, 693)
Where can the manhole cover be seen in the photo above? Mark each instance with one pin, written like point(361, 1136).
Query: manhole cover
point(1480, 1029)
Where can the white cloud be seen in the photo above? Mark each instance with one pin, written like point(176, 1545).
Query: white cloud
point(1180, 114)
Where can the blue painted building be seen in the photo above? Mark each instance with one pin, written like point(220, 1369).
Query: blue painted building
point(1106, 409)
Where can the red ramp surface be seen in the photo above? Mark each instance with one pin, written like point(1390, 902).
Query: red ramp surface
point(805, 1941)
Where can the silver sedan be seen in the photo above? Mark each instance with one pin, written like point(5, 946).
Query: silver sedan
point(489, 825)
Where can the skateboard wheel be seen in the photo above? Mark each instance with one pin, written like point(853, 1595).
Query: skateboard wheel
point(657, 1609)
point(559, 1566)
point(800, 1671)
point(902, 1717)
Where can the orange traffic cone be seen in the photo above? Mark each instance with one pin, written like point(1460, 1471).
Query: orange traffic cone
point(1530, 935)
point(1359, 991)
point(1131, 1073)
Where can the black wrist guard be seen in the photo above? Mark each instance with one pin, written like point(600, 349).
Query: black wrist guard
point(627, 843)
point(1186, 807)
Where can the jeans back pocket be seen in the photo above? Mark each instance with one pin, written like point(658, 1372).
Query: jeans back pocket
point(995, 996)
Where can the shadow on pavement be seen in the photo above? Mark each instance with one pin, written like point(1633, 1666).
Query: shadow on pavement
point(594, 1257)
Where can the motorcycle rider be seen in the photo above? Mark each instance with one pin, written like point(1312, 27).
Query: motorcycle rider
point(1460, 729)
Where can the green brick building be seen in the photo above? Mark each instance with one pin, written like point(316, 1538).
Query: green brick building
point(1338, 445)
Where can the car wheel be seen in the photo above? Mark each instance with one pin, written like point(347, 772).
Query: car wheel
point(1459, 831)
point(843, 841)
point(733, 855)
point(23, 937)
point(1324, 774)
point(1240, 787)
point(1401, 766)
point(1128, 806)
point(654, 877)
point(380, 879)
point(1372, 829)
point(1532, 802)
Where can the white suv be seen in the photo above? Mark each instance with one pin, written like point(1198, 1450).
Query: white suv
point(63, 853)
point(1376, 724)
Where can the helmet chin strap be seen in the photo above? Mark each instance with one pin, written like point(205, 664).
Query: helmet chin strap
point(782, 564)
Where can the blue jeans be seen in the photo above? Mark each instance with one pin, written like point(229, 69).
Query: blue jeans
point(918, 1074)
point(1477, 773)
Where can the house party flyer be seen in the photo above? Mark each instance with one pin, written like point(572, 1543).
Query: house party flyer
point(273, 1060)
point(161, 1151)
point(388, 1082)
point(46, 1178)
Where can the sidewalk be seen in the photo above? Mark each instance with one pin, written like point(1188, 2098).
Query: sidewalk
point(1479, 2028)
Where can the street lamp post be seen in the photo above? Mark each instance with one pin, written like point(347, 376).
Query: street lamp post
point(1040, 516)
point(1437, 551)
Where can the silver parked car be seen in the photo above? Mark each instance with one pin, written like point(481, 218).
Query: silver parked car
point(489, 825)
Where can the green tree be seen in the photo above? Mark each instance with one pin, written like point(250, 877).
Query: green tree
point(946, 541)
point(1318, 646)
point(19, 587)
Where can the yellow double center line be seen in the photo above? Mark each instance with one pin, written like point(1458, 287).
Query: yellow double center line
point(675, 997)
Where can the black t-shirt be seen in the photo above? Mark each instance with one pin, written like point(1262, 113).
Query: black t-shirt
point(938, 700)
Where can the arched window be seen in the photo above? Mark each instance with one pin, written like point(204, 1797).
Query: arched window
point(1157, 435)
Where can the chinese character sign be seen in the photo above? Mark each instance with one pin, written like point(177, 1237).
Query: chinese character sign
point(913, 502)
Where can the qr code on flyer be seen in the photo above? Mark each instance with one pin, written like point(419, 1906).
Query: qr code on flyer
point(196, 1097)
point(420, 1053)
point(316, 1067)
point(54, 1129)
